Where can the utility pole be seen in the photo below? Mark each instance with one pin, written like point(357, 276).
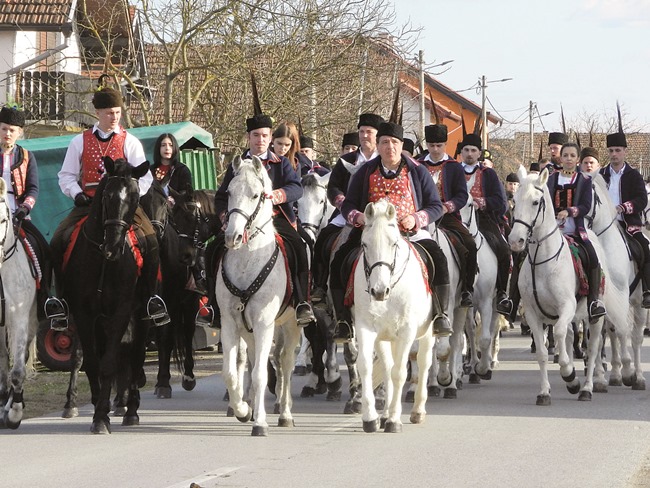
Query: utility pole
point(531, 132)
point(483, 112)
point(422, 121)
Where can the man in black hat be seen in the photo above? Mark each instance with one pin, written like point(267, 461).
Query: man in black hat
point(306, 157)
point(490, 201)
point(627, 190)
point(414, 214)
point(336, 191)
point(408, 147)
point(82, 169)
point(555, 142)
point(452, 189)
point(286, 191)
point(350, 142)
point(21, 177)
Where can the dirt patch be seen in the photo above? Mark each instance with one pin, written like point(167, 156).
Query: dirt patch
point(45, 391)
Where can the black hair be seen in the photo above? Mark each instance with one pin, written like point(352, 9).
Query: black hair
point(570, 144)
point(157, 160)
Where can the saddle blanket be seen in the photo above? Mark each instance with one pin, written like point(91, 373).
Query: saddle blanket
point(577, 255)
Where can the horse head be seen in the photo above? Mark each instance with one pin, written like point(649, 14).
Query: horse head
point(249, 204)
point(120, 196)
point(379, 241)
point(602, 214)
point(533, 212)
point(154, 204)
point(314, 209)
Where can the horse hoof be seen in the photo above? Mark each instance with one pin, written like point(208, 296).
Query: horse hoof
point(320, 388)
point(600, 388)
point(307, 392)
point(382, 422)
point(130, 420)
point(11, 424)
point(409, 397)
point(417, 417)
point(260, 431)
point(459, 384)
point(70, 413)
point(230, 412)
point(584, 396)
point(615, 382)
point(300, 371)
point(100, 427)
point(628, 380)
point(450, 393)
point(487, 375)
point(333, 396)
point(474, 379)
point(335, 386)
point(286, 422)
point(371, 425)
point(543, 400)
point(433, 391)
point(188, 383)
point(246, 417)
point(573, 387)
point(444, 382)
point(163, 391)
point(639, 385)
point(119, 411)
point(393, 427)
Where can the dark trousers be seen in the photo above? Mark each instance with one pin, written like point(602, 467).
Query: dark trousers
point(320, 265)
point(468, 248)
point(490, 229)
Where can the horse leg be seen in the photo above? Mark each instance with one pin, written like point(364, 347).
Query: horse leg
point(395, 384)
point(413, 373)
point(424, 360)
point(600, 382)
point(593, 357)
point(164, 341)
point(615, 377)
point(627, 372)
point(316, 380)
point(70, 409)
point(188, 381)
point(136, 360)
point(366, 344)
point(263, 340)
point(484, 368)
point(381, 379)
point(563, 332)
point(233, 370)
point(4, 371)
point(350, 354)
point(444, 355)
point(470, 328)
point(301, 359)
point(539, 335)
point(285, 361)
point(455, 364)
point(332, 374)
point(640, 316)
point(14, 405)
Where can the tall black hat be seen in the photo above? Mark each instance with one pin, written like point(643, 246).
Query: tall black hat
point(390, 129)
point(435, 133)
point(107, 98)
point(617, 139)
point(350, 139)
point(409, 145)
point(306, 141)
point(557, 138)
point(12, 116)
point(473, 139)
point(371, 120)
point(258, 120)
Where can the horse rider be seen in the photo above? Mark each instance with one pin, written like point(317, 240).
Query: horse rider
point(490, 202)
point(170, 172)
point(572, 196)
point(80, 174)
point(409, 187)
point(627, 190)
point(336, 190)
point(286, 191)
point(307, 158)
point(555, 142)
point(349, 142)
point(20, 173)
point(452, 189)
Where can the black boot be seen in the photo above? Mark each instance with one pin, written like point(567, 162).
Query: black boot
point(199, 274)
point(304, 313)
point(645, 281)
point(440, 298)
point(343, 330)
point(466, 299)
point(57, 311)
point(504, 304)
point(596, 308)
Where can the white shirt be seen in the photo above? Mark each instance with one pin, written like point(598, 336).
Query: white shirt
point(361, 158)
point(444, 158)
point(70, 174)
point(6, 175)
point(614, 188)
point(569, 224)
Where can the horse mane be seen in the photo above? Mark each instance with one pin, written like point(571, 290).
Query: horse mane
point(206, 199)
point(600, 188)
point(310, 180)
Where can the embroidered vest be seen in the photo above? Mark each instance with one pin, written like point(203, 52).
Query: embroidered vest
point(564, 194)
point(476, 189)
point(161, 171)
point(439, 170)
point(92, 166)
point(19, 176)
point(396, 190)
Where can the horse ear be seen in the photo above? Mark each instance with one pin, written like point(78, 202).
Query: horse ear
point(325, 179)
point(140, 170)
point(349, 166)
point(173, 193)
point(543, 177)
point(257, 164)
point(236, 163)
point(521, 172)
point(390, 211)
point(109, 164)
point(369, 212)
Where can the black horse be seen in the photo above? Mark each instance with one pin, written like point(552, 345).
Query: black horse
point(105, 292)
point(174, 339)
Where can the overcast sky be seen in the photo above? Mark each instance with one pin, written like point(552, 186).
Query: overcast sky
point(583, 54)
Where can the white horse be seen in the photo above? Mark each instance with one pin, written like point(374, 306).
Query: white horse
point(604, 223)
point(484, 301)
point(250, 288)
point(548, 284)
point(18, 316)
point(392, 308)
point(314, 208)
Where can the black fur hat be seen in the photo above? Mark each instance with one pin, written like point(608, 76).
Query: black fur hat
point(391, 129)
point(350, 139)
point(107, 98)
point(306, 141)
point(409, 145)
point(435, 133)
point(617, 139)
point(557, 138)
point(587, 152)
point(371, 120)
point(12, 116)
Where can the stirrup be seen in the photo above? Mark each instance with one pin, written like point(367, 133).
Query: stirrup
point(205, 316)
point(304, 314)
point(343, 332)
point(57, 311)
point(157, 311)
point(504, 307)
point(596, 310)
point(441, 326)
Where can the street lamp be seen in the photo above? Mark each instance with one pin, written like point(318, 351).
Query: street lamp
point(483, 85)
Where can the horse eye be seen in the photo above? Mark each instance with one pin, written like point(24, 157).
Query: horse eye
point(256, 196)
point(536, 202)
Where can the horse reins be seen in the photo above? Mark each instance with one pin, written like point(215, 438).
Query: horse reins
point(367, 269)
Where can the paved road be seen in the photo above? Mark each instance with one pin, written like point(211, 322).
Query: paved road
point(493, 435)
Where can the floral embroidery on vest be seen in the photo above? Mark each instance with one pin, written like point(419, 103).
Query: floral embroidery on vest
point(92, 166)
point(396, 190)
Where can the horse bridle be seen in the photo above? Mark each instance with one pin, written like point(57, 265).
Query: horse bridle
point(478, 232)
point(314, 227)
point(195, 238)
point(251, 218)
point(368, 268)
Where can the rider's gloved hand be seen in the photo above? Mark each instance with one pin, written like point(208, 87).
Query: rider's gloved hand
point(21, 212)
point(82, 200)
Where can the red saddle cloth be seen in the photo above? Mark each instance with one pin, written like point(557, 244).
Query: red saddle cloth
point(348, 300)
point(288, 292)
point(578, 266)
point(131, 238)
